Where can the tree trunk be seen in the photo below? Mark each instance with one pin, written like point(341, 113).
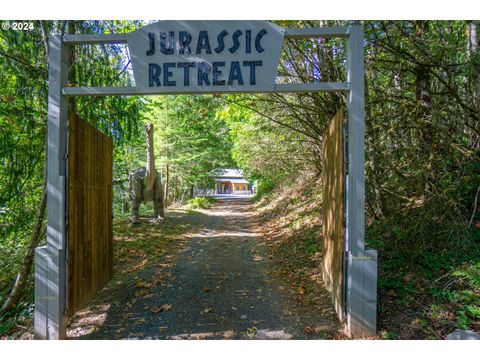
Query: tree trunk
point(167, 179)
point(426, 127)
point(423, 96)
point(72, 75)
point(474, 58)
point(191, 192)
point(22, 277)
point(43, 26)
point(125, 196)
point(174, 188)
point(375, 201)
point(150, 166)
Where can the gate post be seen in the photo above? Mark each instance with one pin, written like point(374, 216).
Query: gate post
point(361, 265)
point(50, 260)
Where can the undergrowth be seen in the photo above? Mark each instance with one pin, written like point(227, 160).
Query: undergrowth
point(201, 202)
point(428, 259)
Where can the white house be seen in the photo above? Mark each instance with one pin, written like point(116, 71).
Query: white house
point(231, 181)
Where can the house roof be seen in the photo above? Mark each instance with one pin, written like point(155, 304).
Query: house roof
point(236, 181)
point(230, 173)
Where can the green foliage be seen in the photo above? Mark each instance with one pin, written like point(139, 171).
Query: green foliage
point(389, 335)
point(265, 187)
point(467, 295)
point(23, 100)
point(191, 141)
point(261, 147)
point(202, 202)
point(470, 273)
point(473, 311)
point(462, 320)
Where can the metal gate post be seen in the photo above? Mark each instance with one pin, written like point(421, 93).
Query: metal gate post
point(50, 260)
point(361, 272)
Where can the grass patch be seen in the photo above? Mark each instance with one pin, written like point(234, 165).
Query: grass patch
point(135, 247)
point(201, 202)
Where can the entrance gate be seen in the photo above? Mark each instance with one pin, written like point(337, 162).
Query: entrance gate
point(333, 219)
point(354, 287)
point(89, 213)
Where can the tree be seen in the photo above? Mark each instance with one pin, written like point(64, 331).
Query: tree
point(192, 140)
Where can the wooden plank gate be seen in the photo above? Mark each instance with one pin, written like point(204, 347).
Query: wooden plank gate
point(89, 209)
point(334, 212)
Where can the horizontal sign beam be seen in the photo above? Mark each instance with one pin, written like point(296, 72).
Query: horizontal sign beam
point(290, 33)
point(94, 39)
point(279, 88)
point(324, 32)
point(175, 57)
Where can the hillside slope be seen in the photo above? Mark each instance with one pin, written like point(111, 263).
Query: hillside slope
point(424, 294)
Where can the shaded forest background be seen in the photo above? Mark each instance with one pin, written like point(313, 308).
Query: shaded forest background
point(422, 151)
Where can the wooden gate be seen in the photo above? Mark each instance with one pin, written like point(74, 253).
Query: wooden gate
point(90, 234)
point(334, 212)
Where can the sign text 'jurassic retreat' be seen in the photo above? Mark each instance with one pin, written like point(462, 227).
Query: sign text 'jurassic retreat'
point(201, 56)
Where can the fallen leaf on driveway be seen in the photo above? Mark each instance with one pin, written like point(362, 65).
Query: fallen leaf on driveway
point(228, 334)
point(137, 335)
point(257, 258)
point(164, 307)
point(143, 284)
point(141, 292)
point(205, 289)
point(206, 311)
point(309, 330)
point(251, 332)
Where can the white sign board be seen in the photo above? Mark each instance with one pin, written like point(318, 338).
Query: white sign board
point(205, 56)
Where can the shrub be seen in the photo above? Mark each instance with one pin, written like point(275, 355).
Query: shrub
point(265, 187)
point(201, 202)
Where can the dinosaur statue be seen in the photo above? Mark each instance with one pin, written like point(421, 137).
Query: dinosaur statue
point(146, 184)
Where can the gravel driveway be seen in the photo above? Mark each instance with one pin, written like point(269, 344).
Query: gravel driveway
point(221, 285)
